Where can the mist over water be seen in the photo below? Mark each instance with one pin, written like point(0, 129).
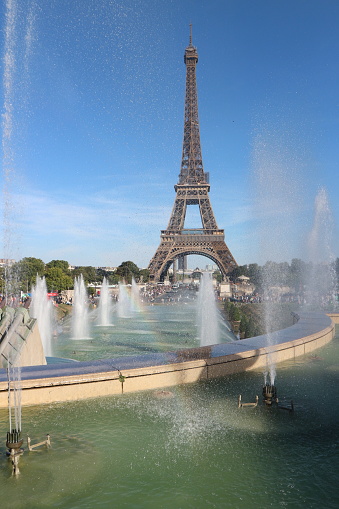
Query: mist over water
point(320, 237)
point(321, 281)
point(278, 203)
point(282, 210)
point(19, 36)
point(291, 221)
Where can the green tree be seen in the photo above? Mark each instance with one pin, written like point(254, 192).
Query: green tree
point(255, 274)
point(61, 264)
point(89, 274)
point(101, 273)
point(298, 273)
point(217, 275)
point(144, 275)
point(113, 278)
point(27, 270)
point(127, 270)
point(57, 280)
point(241, 270)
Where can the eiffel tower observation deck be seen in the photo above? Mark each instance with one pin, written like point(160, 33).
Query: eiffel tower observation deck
point(192, 189)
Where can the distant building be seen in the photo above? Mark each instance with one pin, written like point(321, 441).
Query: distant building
point(106, 269)
point(6, 262)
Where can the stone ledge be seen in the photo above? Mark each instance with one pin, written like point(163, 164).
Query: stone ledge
point(81, 380)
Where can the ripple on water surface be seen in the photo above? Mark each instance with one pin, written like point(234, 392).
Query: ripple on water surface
point(193, 449)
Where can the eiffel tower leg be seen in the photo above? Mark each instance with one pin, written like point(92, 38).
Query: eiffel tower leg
point(177, 218)
point(175, 269)
point(158, 263)
point(207, 216)
point(227, 262)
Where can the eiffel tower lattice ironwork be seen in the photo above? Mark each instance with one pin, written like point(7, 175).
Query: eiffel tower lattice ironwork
point(192, 189)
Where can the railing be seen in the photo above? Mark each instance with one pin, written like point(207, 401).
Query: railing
point(193, 231)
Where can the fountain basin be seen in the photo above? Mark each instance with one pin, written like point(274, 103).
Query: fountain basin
point(81, 380)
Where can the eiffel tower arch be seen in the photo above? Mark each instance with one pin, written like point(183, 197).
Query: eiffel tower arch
point(192, 189)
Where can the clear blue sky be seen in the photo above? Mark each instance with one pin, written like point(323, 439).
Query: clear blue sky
point(97, 99)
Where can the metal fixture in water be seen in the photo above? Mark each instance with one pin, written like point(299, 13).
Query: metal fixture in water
point(46, 442)
point(269, 393)
point(270, 397)
point(13, 444)
point(250, 405)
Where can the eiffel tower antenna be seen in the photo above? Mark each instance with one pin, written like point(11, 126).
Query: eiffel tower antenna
point(192, 189)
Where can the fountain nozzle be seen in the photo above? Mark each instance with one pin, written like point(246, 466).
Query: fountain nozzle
point(13, 444)
point(269, 393)
point(14, 440)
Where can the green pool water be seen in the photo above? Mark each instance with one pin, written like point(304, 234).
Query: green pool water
point(194, 450)
point(154, 328)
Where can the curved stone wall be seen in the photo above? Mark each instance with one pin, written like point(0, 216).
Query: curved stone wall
point(80, 380)
point(20, 341)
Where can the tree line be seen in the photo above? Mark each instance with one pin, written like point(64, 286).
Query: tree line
point(59, 277)
point(22, 274)
point(295, 275)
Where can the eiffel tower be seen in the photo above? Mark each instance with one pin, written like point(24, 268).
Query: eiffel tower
point(192, 189)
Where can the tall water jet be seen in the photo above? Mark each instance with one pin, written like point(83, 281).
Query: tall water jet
point(270, 372)
point(18, 43)
point(80, 316)
point(42, 309)
point(135, 297)
point(278, 205)
point(124, 306)
point(18, 39)
point(208, 319)
point(321, 283)
point(105, 305)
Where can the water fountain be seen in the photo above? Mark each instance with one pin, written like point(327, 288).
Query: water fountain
point(208, 315)
point(135, 297)
point(209, 331)
point(80, 315)
point(124, 306)
point(191, 449)
point(14, 440)
point(321, 281)
point(105, 305)
point(41, 308)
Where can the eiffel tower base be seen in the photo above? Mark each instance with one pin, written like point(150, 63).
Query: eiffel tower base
point(174, 245)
